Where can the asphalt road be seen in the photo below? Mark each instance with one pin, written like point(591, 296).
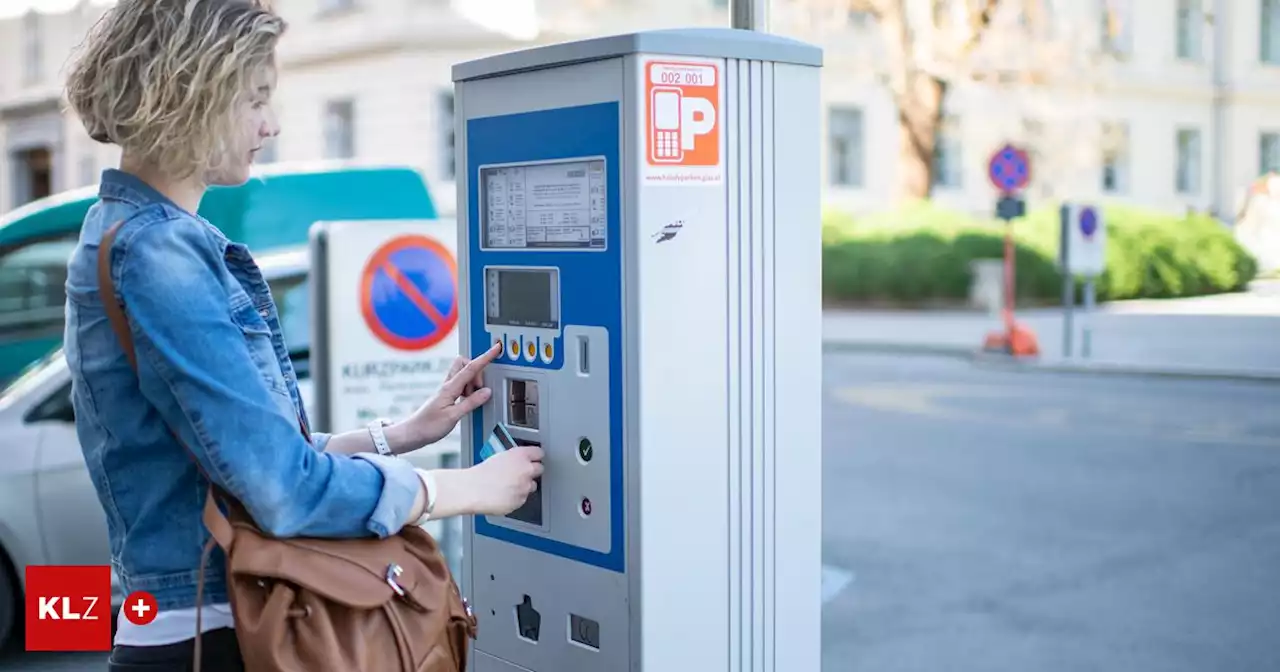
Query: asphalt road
point(999, 521)
point(1003, 521)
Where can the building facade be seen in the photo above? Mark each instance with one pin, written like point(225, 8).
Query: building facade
point(1183, 113)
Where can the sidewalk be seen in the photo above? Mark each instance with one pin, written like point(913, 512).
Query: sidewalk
point(1232, 336)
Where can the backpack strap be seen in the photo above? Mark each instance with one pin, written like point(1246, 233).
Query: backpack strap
point(221, 530)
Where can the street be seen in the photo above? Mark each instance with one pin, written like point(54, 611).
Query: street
point(52, 662)
point(1001, 521)
point(997, 521)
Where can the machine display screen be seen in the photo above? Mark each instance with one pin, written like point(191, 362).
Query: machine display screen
point(555, 204)
point(522, 297)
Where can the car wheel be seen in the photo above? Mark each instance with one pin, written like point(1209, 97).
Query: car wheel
point(8, 602)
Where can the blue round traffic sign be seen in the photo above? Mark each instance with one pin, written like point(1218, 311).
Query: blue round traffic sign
point(409, 292)
point(1009, 169)
point(1088, 221)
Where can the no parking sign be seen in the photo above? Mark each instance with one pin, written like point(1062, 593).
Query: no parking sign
point(409, 292)
point(385, 302)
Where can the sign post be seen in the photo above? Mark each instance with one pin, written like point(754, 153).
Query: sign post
point(1084, 246)
point(1010, 172)
point(1068, 279)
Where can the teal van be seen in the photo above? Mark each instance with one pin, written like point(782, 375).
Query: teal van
point(275, 209)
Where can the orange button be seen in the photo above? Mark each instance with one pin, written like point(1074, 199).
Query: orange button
point(548, 351)
point(531, 349)
point(515, 348)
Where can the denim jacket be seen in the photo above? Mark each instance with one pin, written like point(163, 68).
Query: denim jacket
point(213, 366)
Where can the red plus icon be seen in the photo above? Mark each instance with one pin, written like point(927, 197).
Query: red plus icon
point(140, 607)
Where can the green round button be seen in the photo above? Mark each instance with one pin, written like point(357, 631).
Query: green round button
point(585, 451)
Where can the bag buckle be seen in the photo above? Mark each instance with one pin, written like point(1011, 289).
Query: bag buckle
point(393, 571)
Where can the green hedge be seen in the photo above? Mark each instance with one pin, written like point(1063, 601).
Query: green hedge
point(921, 254)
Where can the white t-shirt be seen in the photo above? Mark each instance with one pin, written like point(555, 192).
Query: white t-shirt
point(172, 626)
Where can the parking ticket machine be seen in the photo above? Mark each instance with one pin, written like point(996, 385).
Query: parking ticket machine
point(639, 227)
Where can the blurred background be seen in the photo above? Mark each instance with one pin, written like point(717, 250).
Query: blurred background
point(1163, 104)
point(1108, 508)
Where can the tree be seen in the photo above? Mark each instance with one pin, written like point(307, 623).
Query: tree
point(927, 46)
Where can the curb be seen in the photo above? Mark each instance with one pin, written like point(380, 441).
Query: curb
point(1003, 362)
point(899, 348)
point(993, 361)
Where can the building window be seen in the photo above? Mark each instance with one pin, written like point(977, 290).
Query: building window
point(1188, 169)
point(448, 165)
point(32, 49)
point(860, 18)
point(31, 174)
point(1115, 158)
point(948, 155)
point(1269, 40)
point(845, 149)
point(339, 130)
point(1190, 20)
point(88, 169)
point(1116, 35)
point(1269, 152)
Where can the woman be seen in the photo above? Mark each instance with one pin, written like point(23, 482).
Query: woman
point(184, 87)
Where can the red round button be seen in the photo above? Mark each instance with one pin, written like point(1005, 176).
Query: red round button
point(140, 607)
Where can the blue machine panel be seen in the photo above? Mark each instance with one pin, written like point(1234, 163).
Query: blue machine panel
point(589, 279)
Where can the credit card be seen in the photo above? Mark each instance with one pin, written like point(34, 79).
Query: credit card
point(499, 441)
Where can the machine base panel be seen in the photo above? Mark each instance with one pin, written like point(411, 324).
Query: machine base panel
point(487, 663)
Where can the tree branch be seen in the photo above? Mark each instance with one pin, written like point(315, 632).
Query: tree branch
point(891, 17)
point(979, 22)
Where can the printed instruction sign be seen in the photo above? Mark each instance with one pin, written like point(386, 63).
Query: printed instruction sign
point(387, 299)
point(547, 204)
point(682, 125)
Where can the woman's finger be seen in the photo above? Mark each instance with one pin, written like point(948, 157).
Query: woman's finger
point(470, 372)
point(458, 363)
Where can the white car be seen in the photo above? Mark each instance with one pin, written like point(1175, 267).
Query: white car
point(49, 510)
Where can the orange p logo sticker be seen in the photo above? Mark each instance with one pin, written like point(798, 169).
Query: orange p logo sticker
point(682, 121)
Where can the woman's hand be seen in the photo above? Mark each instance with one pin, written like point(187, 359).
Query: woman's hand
point(463, 391)
point(495, 487)
point(503, 482)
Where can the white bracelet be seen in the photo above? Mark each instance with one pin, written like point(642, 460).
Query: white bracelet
point(429, 482)
point(380, 437)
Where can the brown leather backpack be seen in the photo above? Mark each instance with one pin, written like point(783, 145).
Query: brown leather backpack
point(308, 604)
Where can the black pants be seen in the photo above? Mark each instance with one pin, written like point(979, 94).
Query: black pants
point(219, 652)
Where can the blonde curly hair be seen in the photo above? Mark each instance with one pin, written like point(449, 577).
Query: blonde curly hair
point(163, 79)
